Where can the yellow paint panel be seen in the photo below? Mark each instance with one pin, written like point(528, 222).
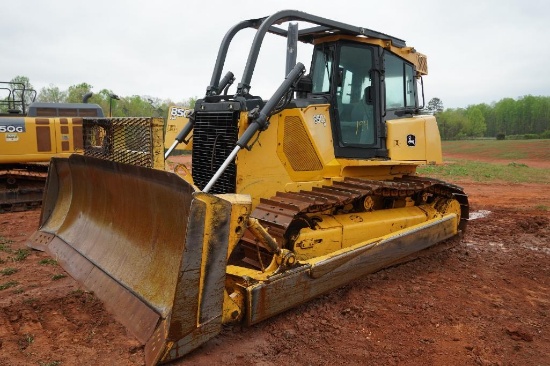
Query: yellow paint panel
point(39, 139)
point(414, 139)
point(369, 225)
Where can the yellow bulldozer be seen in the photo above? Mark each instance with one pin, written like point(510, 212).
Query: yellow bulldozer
point(289, 197)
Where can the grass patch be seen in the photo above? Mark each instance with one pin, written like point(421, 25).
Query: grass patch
point(48, 261)
point(500, 150)
point(50, 363)
point(26, 341)
point(5, 248)
point(58, 276)
point(5, 245)
point(486, 172)
point(9, 284)
point(517, 165)
point(5, 241)
point(29, 301)
point(8, 271)
point(21, 254)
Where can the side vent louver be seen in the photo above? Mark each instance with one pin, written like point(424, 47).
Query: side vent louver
point(298, 148)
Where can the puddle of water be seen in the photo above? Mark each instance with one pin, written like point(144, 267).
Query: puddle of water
point(479, 214)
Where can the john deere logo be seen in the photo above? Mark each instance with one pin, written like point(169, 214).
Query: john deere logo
point(411, 140)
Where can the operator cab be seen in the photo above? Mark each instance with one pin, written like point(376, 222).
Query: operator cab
point(367, 86)
point(364, 76)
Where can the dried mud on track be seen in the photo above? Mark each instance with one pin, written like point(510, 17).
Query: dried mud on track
point(485, 301)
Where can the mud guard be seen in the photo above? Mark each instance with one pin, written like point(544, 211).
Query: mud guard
point(147, 243)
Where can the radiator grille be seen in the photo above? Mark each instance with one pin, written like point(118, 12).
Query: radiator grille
point(298, 148)
point(215, 135)
point(130, 140)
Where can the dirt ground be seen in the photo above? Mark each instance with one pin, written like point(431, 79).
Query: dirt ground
point(485, 301)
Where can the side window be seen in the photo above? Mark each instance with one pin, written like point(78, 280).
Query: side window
point(400, 83)
point(395, 95)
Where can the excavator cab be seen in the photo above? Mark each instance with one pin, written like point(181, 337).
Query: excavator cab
point(289, 197)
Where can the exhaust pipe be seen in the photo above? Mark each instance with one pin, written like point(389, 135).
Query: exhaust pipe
point(87, 96)
point(291, 46)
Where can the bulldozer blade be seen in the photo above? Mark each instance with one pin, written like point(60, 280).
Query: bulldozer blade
point(141, 240)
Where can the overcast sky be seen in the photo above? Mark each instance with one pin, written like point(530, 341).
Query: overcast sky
point(478, 51)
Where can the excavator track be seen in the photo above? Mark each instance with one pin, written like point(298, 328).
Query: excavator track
point(285, 212)
point(22, 187)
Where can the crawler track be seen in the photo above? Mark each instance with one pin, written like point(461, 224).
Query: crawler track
point(22, 187)
point(287, 211)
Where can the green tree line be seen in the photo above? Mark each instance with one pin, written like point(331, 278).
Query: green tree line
point(528, 116)
point(112, 104)
point(525, 117)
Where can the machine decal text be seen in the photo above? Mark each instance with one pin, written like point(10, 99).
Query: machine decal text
point(320, 119)
point(176, 112)
point(12, 137)
point(12, 125)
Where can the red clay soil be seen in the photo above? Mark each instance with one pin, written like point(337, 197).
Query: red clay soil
point(485, 301)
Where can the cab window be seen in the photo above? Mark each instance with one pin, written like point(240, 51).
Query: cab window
point(321, 70)
point(355, 110)
point(399, 80)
